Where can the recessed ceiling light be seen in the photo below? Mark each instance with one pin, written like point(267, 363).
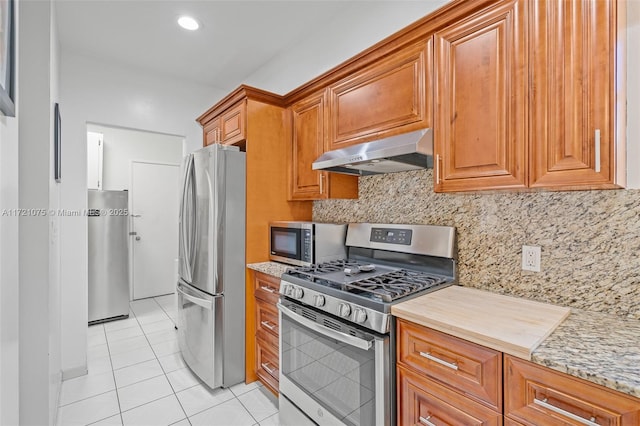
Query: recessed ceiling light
point(188, 23)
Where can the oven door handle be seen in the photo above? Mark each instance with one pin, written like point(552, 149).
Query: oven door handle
point(342, 337)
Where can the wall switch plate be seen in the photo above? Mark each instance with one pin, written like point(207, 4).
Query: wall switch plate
point(531, 258)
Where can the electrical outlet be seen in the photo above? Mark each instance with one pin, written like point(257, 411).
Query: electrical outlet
point(531, 258)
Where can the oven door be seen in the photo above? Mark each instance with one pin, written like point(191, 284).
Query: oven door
point(331, 371)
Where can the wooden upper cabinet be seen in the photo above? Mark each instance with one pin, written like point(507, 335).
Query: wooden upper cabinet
point(573, 135)
point(390, 96)
point(228, 128)
point(308, 143)
point(481, 101)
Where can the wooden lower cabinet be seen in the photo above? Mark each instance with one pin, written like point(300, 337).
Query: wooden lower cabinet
point(265, 290)
point(422, 401)
point(536, 395)
point(267, 363)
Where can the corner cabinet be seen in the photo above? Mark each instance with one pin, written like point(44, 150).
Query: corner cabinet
point(573, 110)
point(481, 101)
point(308, 143)
point(390, 96)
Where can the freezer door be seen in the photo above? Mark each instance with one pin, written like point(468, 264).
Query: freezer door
point(200, 333)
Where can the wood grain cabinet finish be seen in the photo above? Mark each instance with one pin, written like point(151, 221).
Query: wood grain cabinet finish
point(536, 395)
point(390, 96)
point(267, 328)
point(470, 369)
point(425, 402)
point(267, 364)
point(309, 122)
point(573, 134)
point(228, 128)
point(480, 110)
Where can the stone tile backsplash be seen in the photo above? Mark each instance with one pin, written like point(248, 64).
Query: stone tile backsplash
point(590, 240)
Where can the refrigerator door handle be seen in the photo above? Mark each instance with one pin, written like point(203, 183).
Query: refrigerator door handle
point(193, 219)
point(207, 304)
point(186, 219)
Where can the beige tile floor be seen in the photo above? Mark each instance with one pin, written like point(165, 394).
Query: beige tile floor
point(137, 377)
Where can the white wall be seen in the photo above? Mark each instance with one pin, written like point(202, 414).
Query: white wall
point(92, 91)
point(350, 32)
point(121, 146)
point(38, 304)
point(9, 289)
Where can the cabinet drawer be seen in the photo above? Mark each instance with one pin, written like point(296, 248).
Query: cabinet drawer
point(424, 402)
point(536, 395)
point(266, 318)
point(473, 370)
point(266, 287)
point(267, 364)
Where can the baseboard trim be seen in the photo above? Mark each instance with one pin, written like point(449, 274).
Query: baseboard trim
point(74, 372)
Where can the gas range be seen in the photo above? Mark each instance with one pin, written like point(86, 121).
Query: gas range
point(386, 264)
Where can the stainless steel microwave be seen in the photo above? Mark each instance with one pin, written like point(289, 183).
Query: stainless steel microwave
point(306, 243)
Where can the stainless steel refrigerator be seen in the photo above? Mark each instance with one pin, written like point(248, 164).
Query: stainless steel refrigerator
point(211, 283)
point(108, 255)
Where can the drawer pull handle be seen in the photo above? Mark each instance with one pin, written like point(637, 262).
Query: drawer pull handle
point(268, 325)
point(267, 288)
point(425, 421)
point(271, 371)
point(430, 357)
point(581, 420)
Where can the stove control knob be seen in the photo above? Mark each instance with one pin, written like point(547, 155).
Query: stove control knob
point(286, 290)
point(297, 293)
point(318, 300)
point(344, 310)
point(359, 316)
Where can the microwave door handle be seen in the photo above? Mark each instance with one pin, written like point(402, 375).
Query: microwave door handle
point(342, 337)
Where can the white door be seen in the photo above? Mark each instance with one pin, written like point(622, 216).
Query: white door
point(94, 160)
point(154, 214)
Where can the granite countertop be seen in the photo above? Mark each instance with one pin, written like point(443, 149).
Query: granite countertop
point(601, 348)
point(270, 268)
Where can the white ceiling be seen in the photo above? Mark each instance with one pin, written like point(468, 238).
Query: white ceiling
point(234, 40)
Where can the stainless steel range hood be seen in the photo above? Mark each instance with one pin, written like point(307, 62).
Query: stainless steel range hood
point(409, 151)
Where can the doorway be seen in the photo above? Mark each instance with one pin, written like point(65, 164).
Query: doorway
point(146, 164)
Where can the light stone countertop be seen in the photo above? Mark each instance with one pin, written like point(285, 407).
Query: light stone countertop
point(601, 348)
point(270, 268)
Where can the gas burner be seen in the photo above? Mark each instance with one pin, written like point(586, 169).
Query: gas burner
point(328, 267)
point(396, 284)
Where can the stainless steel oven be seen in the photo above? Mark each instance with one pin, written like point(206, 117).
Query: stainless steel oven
point(331, 370)
point(337, 354)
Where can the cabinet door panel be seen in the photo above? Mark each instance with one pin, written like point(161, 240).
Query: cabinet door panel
point(391, 96)
point(212, 132)
point(232, 125)
point(422, 401)
point(573, 72)
point(266, 287)
point(481, 94)
point(308, 145)
point(536, 395)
